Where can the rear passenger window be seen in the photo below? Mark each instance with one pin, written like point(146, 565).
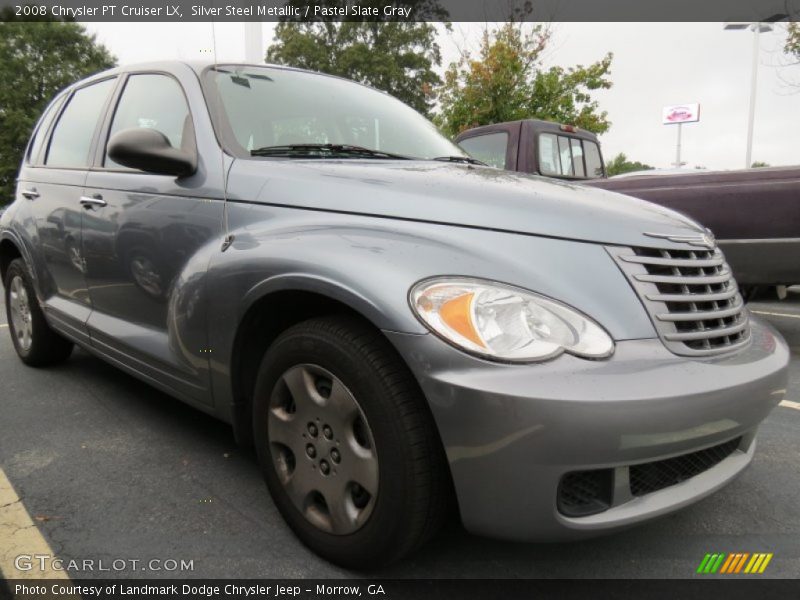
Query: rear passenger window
point(155, 102)
point(549, 161)
point(72, 137)
point(562, 155)
point(594, 165)
point(577, 157)
point(489, 148)
point(41, 132)
point(566, 156)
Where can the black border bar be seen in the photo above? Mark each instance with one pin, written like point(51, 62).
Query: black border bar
point(730, 588)
point(403, 10)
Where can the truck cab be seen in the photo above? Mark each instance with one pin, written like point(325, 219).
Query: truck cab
point(537, 147)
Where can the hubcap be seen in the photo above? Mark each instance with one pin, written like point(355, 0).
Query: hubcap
point(322, 449)
point(21, 320)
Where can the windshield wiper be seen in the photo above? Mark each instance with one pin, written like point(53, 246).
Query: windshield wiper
point(323, 151)
point(461, 159)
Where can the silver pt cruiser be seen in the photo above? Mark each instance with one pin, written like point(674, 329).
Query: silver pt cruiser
point(399, 331)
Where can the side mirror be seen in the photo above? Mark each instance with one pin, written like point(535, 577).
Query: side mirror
point(149, 150)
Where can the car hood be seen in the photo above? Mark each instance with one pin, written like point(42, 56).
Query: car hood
point(457, 194)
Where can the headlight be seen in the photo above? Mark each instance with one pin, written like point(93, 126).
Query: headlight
point(505, 323)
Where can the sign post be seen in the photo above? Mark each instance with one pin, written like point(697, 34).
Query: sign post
point(678, 114)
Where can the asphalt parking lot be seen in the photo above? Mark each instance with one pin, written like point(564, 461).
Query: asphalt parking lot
point(108, 468)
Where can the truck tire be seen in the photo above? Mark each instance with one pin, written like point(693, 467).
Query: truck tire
point(35, 342)
point(347, 444)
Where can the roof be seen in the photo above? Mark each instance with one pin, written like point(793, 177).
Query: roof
point(538, 124)
point(199, 65)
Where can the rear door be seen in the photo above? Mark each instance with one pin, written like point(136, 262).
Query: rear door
point(50, 187)
point(146, 243)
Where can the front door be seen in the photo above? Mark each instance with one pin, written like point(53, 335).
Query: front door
point(145, 243)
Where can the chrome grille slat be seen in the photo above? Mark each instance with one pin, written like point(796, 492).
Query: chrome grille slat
point(721, 277)
point(704, 333)
point(717, 313)
point(717, 261)
point(731, 293)
point(691, 297)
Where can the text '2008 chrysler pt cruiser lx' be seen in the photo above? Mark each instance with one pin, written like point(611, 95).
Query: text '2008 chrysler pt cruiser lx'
point(399, 331)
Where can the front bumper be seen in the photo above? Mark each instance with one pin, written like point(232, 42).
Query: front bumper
point(511, 432)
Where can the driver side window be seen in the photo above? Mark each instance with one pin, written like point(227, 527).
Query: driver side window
point(153, 101)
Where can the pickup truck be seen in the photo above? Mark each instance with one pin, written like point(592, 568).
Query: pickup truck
point(754, 213)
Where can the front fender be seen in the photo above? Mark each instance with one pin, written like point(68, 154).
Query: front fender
point(370, 263)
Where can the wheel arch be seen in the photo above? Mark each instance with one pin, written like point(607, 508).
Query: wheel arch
point(267, 315)
point(270, 309)
point(9, 251)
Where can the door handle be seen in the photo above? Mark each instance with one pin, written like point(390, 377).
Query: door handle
point(92, 202)
point(30, 194)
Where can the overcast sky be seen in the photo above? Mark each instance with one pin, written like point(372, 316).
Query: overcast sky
point(655, 64)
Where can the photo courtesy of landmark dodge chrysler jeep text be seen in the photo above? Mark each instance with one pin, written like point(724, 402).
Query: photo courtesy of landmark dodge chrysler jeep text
point(400, 332)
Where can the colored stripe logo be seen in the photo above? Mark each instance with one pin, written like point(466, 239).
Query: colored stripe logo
point(734, 563)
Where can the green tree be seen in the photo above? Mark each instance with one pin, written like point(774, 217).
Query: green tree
point(37, 59)
point(792, 46)
point(759, 164)
point(396, 57)
point(620, 164)
point(506, 81)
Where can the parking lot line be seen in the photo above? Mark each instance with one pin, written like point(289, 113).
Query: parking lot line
point(21, 537)
point(790, 404)
point(776, 314)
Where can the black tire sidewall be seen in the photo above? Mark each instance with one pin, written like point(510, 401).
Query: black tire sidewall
point(47, 346)
point(377, 541)
point(17, 268)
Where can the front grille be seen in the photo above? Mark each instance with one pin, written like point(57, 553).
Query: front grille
point(691, 296)
point(584, 493)
point(654, 476)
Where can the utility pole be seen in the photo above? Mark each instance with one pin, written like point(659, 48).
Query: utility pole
point(753, 84)
point(757, 29)
point(253, 50)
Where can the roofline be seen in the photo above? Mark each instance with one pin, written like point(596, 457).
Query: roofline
point(199, 66)
point(542, 125)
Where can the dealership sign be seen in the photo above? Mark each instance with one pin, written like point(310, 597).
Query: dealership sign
point(681, 113)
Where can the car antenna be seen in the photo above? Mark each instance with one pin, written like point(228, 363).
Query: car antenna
point(228, 238)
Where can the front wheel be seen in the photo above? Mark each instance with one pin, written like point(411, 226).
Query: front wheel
point(35, 342)
point(347, 443)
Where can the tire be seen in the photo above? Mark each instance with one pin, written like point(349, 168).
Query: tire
point(756, 293)
point(36, 343)
point(391, 511)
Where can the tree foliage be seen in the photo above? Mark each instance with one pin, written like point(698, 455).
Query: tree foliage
point(37, 59)
point(792, 46)
point(759, 164)
point(620, 164)
point(506, 81)
point(396, 57)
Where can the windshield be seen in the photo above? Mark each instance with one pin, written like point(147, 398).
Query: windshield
point(263, 106)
